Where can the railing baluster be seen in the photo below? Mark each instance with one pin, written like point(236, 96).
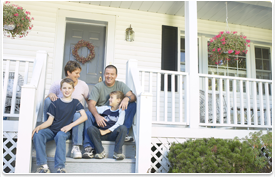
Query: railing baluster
point(14, 87)
point(260, 85)
point(248, 104)
point(206, 99)
point(7, 73)
point(186, 99)
point(221, 100)
point(180, 98)
point(158, 95)
point(242, 102)
point(26, 72)
point(142, 81)
point(267, 111)
point(214, 113)
point(235, 102)
point(151, 82)
point(255, 107)
point(228, 110)
point(165, 97)
point(173, 96)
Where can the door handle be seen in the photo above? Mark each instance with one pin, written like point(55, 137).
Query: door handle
point(100, 79)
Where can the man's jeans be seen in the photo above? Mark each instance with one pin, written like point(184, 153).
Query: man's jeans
point(42, 137)
point(77, 131)
point(129, 116)
point(118, 135)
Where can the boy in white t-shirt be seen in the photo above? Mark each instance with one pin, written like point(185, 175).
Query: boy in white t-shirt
point(114, 129)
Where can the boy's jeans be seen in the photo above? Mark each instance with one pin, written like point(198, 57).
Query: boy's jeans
point(77, 131)
point(42, 137)
point(118, 135)
point(129, 116)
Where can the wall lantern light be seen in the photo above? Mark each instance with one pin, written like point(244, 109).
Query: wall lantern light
point(129, 34)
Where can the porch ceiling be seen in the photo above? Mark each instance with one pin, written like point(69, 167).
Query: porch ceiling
point(248, 13)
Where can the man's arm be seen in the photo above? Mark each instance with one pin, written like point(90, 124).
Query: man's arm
point(81, 119)
point(99, 119)
point(124, 103)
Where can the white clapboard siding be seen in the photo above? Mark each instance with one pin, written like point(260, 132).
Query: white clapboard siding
point(147, 26)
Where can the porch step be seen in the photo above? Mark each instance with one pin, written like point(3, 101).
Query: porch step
point(128, 149)
point(106, 165)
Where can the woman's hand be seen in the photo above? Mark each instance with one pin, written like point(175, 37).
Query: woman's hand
point(52, 96)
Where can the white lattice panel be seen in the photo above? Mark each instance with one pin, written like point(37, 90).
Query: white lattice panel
point(159, 150)
point(9, 151)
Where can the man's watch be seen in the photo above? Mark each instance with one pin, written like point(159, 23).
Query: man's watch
point(129, 98)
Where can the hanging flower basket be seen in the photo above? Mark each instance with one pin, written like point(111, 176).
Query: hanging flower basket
point(227, 43)
point(16, 21)
point(90, 47)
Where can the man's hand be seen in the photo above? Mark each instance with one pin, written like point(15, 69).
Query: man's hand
point(104, 132)
point(124, 104)
point(66, 128)
point(100, 121)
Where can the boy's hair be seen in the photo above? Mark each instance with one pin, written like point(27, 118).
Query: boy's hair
point(111, 66)
point(119, 94)
point(71, 66)
point(67, 80)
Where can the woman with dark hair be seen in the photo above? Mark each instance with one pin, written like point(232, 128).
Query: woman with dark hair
point(81, 92)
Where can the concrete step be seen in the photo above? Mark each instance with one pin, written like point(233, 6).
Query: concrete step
point(128, 149)
point(106, 165)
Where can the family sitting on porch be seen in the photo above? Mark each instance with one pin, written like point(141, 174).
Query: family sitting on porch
point(107, 111)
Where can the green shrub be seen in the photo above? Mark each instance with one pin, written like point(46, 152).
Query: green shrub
point(221, 155)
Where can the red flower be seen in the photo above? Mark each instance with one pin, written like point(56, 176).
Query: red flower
point(30, 28)
point(213, 50)
point(7, 2)
point(248, 45)
point(223, 39)
point(22, 18)
point(236, 59)
point(237, 52)
point(218, 36)
point(244, 37)
point(32, 18)
point(247, 41)
point(216, 63)
point(227, 59)
point(234, 32)
point(211, 40)
point(223, 43)
point(246, 51)
point(221, 32)
point(16, 14)
point(218, 49)
point(227, 32)
point(230, 51)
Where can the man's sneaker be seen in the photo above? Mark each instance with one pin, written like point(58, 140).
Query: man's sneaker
point(41, 169)
point(101, 155)
point(61, 170)
point(118, 156)
point(129, 138)
point(89, 152)
point(76, 153)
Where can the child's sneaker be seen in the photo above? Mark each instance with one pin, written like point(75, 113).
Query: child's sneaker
point(61, 170)
point(42, 169)
point(118, 156)
point(76, 153)
point(101, 155)
point(128, 138)
point(89, 152)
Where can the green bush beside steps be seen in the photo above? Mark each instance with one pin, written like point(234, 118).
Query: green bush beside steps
point(249, 155)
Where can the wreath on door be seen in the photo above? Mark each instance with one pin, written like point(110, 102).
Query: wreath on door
point(90, 47)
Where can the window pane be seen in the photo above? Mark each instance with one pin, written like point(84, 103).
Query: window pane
point(182, 56)
point(259, 64)
point(265, 53)
point(242, 63)
point(182, 43)
point(266, 65)
point(232, 62)
point(258, 53)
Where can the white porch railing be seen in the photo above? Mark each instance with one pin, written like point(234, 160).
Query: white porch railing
point(18, 70)
point(235, 102)
point(31, 107)
point(168, 89)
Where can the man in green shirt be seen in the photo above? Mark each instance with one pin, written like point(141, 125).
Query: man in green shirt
point(100, 96)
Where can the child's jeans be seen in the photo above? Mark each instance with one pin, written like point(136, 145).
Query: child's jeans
point(42, 137)
point(118, 135)
point(77, 131)
point(129, 116)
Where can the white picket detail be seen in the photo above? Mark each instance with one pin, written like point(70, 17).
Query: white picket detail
point(249, 108)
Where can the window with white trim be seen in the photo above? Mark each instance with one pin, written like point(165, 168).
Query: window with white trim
point(263, 63)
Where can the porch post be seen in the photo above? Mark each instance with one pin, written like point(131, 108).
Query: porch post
point(191, 52)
